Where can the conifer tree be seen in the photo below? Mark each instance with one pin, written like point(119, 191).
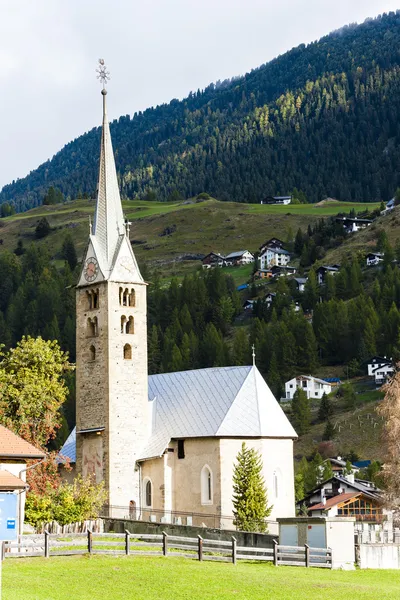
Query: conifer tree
point(325, 408)
point(68, 252)
point(327, 471)
point(328, 432)
point(273, 377)
point(301, 412)
point(250, 500)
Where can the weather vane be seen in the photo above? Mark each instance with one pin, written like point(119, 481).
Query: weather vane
point(102, 74)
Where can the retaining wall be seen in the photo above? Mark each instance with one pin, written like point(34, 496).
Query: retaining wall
point(378, 556)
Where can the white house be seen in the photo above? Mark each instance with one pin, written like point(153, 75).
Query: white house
point(243, 257)
point(273, 255)
point(382, 374)
point(376, 362)
point(300, 283)
point(314, 387)
point(324, 270)
point(353, 224)
point(374, 258)
point(277, 200)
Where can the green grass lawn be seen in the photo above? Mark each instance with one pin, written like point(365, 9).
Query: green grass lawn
point(141, 578)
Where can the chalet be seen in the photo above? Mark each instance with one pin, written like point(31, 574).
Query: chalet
point(273, 242)
point(353, 224)
point(324, 270)
point(377, 362)
point(243, 257)
point(345, 497)
point(277, 200)
point(383, 373)
point(263, 274)
point(248, 305)
point(213, 259)
point(274, 255)
point(338, 466)
point(282, 270)
point(374, 258)
point(314, 387)
point(269, 298)
point(14, 453)
point(389, 207)
point(300, 283)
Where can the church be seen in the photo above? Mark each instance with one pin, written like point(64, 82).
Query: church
point(164, 445)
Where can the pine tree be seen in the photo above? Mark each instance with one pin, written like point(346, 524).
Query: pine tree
point(250, 501)
point(328, 432)
point(273, 377)
point(325, 408)
point(327, 471)
point(68, 252)
point(154, 354)
point(240, 348)
point(301, 412)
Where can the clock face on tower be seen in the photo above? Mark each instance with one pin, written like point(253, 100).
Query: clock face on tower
point(91, 269)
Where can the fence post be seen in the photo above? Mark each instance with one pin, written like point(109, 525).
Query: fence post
point(200, 547)
point(46, 544)
point(234, 544)
point(164, 543)
point(127, 542)
point(89, 541)
point(275, 553)
point(3, 550)
point(307, 554)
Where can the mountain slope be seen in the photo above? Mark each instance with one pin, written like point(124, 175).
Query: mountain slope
point(323, 118)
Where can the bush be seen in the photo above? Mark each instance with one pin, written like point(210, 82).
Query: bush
point(42, 228)
point(203, 196)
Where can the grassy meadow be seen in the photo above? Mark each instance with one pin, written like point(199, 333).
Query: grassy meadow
point(197, 228)
point(141, 578)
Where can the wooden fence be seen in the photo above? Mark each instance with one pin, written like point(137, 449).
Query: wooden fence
point(50, 544)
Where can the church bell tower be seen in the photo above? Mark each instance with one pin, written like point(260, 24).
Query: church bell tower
point(111, 343)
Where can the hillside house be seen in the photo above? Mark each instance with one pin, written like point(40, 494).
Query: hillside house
point(322, 272)
point(338, 466)
point(377, 362)
point(391, 205)
point(273, 243)
point(248, 305)
point(277, 200)
point(314, 387)
point(14, 454)
point(282, 270)
point(374, 258)
point(273, 255)
point(269, 298)
point(346, 497)
point(243, 257)
point(383, 373)
point(300, 283)
point(263, 274)
point(353, 224)
point(213, 259)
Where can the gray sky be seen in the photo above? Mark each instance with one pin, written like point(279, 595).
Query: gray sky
point(156, 50)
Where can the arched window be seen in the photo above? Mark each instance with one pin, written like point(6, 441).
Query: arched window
point(127, 352)
point(147, 493)
point(121, 291)
point(92, 327)
point(130, 326)
point(92, 298)
point(132, 298)
point(92, 351)
point(125, 297)
point(206, 482)
point(123, 323)
point(96, 294)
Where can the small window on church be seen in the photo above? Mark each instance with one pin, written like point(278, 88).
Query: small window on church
point(181, 448)
point(89, 300)
point(92, 351)
point(130, 326)
point(123, 324)
point(96, 298)
point(206, 482)
point(92, 327)
point(121, 291)
point(132, 298)
point(125, 297)
point(147, 493)
point(127, 352)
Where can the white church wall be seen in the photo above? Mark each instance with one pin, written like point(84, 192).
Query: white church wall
point(277, 456)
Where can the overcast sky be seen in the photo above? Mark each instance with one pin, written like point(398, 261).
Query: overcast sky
point(156, 50)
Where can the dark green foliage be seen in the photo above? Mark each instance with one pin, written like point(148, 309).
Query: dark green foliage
point(329, 431)
point(53, 196)
point(325, 408)
point(250, 501)
point(292, 123)
point(301, 412)
point(6, 210)
point(42, 228)
point(68, 252)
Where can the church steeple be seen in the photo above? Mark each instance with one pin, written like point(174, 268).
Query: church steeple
point(109, 254)
point(108, 221)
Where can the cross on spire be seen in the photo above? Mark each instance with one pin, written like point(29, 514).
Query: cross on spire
point(254, 355)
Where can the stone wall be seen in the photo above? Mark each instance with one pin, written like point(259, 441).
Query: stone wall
point(244, 538)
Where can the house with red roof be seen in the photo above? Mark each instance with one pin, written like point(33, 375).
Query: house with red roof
point(14, 454)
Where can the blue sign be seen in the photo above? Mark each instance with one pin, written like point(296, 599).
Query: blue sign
point(8, 516)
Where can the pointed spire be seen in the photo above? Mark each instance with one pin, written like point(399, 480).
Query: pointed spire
point(108, 223)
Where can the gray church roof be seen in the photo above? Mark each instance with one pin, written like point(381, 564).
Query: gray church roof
point(215, 402)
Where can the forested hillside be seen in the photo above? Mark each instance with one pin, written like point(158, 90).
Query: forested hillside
point(323, 118)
